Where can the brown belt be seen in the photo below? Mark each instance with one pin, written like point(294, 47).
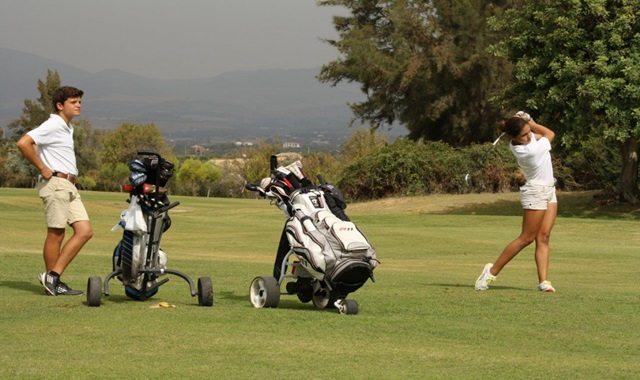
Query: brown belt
point(69, 177)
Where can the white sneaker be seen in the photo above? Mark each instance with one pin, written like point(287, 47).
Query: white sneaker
point(482, 283)
point(545, 286)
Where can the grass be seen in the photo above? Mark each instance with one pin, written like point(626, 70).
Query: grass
point(420, 319)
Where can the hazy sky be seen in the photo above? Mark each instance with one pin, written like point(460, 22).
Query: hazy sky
point(174, 39)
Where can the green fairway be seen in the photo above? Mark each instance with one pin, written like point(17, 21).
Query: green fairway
point(421, 319)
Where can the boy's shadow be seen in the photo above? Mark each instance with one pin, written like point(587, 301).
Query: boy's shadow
point(22, 285)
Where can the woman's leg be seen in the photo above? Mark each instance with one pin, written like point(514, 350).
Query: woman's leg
point(531, 222)
point(542, 241)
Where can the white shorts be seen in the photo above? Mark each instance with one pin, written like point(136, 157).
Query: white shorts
point(536, 195)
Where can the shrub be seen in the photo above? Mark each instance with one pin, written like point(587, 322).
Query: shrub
point(407, 168)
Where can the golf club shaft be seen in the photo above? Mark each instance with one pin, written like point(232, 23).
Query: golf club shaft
point(484, 156)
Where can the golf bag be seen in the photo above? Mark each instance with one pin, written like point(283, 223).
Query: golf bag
point(138, 254)
point(330, 249)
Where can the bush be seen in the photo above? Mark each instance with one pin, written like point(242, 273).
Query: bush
point(407, 168)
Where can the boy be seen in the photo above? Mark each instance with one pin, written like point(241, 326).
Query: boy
point(50, 149)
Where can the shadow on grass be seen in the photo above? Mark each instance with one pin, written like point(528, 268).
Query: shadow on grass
point(23, 285)
point(585, 204)
point(287, 302)
point(231, 296)
point(472, 286)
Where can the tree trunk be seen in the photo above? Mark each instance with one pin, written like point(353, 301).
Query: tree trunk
point(628, 184)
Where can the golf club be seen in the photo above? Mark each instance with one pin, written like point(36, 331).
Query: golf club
point(484, 156)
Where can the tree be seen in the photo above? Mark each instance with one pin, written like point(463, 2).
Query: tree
point(34, 113)
point(424, 64)
point(361, 143)
point(113, 176)
point(37, 112)
point(198, 174)
point(577, 69)
point(87, 145)
point(122, 144)
point(255, 161)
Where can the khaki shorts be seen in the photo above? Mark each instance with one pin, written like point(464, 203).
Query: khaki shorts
point(536, 196)
point(62, 203)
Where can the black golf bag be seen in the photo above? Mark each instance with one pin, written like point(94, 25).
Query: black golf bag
point(138, 261)
point(144, 223)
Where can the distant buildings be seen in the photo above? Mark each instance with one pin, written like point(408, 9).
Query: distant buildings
point(291, 145)
point(197, 149)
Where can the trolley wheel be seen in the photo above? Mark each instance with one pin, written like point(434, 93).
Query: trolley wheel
point(305, 296)
point(94, 291)
point(348, 307)
point(324, 299)
point(264, 292)
point(291, 287)
point(205, 291)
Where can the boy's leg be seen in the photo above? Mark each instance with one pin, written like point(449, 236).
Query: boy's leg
point(82, 232)
point(52, 244)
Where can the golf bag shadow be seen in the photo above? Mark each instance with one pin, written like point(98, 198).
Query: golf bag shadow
point(138, 261)
point(320, 248)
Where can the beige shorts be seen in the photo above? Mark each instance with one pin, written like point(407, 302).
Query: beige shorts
point(537, 195)
point(62, 203)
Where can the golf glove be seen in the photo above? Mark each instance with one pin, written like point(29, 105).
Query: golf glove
point(524, 115)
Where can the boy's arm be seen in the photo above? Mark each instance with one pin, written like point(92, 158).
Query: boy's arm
point(27, 147)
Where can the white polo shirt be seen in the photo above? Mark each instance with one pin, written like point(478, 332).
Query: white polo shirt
point(54, 139)
point(535, 159)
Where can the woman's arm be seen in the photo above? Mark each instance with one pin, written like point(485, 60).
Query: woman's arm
point(541, 131)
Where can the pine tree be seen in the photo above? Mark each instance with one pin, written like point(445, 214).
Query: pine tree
point(423, 64)
point(37, 112)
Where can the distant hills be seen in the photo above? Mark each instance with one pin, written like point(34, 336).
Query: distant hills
point(231, 106)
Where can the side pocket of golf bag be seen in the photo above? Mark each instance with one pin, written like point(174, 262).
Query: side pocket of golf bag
point(308, 244)
point(123, 258)
point(356, 257)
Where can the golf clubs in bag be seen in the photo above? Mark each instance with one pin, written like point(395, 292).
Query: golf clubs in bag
point(325, 253)
point(138, 260)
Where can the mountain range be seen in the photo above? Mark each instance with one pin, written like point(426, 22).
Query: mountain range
point(230, 106)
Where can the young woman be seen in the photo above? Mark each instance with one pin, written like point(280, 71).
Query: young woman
point(530, 144)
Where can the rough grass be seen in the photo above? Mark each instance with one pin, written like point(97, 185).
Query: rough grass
point(420, 319)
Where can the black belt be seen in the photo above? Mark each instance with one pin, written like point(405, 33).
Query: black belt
point(69, 177)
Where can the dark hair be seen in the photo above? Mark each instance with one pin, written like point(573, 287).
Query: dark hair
point(513, 126)
point(63, 93)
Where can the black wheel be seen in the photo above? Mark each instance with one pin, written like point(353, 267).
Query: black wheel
point(264, 292)
point(205, 291)
point(305, 296)
point(94, 291)
point(348, 307)
point(324, 299)
point(291, 287)
point(139, 295)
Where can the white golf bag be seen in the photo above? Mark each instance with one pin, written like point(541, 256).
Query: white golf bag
point(329, 249)
point(331, 256)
